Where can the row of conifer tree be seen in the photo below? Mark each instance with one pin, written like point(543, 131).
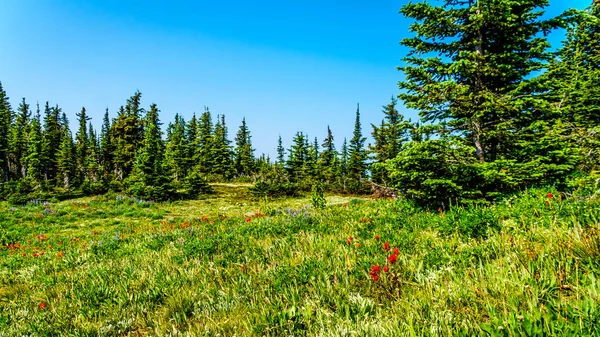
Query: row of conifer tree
point(499, 111)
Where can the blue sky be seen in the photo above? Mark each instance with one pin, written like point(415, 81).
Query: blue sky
point(286, 66)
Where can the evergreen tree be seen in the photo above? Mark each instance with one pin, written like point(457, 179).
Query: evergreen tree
point(106, 148)
point(18, 144)
point(389, 137)
point(82, 144)
point(298, 157)
point(192, 141)
point(328, 157)
point(6, 119)
point(343, 164)
point(474, 80)
point(93, 164)
point(221, 154)
point(127, 133)
point(148, 178)
point(52, 139)
point(205, 137)
point(357, 161)
point(66, 156)
point(34, 162)
point(177, 149)
point(280, 152)
point(244, 153)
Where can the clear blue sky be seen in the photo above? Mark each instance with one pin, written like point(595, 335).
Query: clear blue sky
point(286, 66)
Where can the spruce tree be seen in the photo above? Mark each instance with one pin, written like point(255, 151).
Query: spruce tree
point(52, 138)
point(6, 120)
point(33, 161)
point(357, 161)
point(148, 179)
point(18, 144)
point(66, 156)
point(280, 152)
point(298, 156)
point(343, 165)
point(244, 153)
point(82, 144)
point(106, 148)
point(469, 65)
point(177, 149)
point(127, 134)
point(220, 152)
point(205, 137)
point(328, 157)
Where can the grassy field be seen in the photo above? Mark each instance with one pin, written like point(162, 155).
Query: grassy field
point(229, 265)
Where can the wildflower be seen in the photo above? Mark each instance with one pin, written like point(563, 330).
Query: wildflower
point(547, 202)
point(42, 305)
point(364, 220)
point(396, 251)
point(376, 237)
point(349, 241)
point(375, 273)
point(386, 246)
point(550, 195)
point(392, 258)
point(243, 268)
point(357, 245)
point(248, 219)
point(60, 254)
point(386, 269)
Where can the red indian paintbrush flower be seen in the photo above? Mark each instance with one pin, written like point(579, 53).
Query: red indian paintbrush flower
point(42, 305)
point(392, 258)
point(550, 195)
point(376, 237)
point(386, 269)
point(386, 246)
point(396, 251)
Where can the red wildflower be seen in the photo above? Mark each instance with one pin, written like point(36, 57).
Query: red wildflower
point(243, 268)
point(376, 237)
point(392, 258)
point(349, 241)
point(547, 202)
point(357, 245)
point(375, 273)
point(550, 195)
point(248, 219)
point(371, 221)
point(386, 246)
point(396, 251)
point(60, 254)
point(364, 220)
point(386, 269)
point(42, 305)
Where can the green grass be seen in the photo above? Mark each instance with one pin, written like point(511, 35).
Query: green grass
point(231, 265)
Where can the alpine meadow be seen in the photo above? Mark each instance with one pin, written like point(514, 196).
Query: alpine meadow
point(478, 217)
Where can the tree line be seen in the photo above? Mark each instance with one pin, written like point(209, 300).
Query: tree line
point(499, 111)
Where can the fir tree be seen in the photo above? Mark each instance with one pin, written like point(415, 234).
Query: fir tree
point(298, 157)
point(6, 119)
point(127, 133)
point(148, 178)
point(106, 148)
point(19, 135)
point(177, 149)
point(34, 162)
point(357, 161)
point(66, 156)
point(280, 152)
point(469, 66)
point(244, 153)
point(328, 156)
point(52, 139)
point(221, 154)
point(82, 144)
point(205, 137)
